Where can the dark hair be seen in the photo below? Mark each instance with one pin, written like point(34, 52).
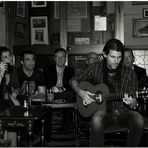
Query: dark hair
point(26, 52)
point(113, 44)
point(130, 50)
point(60, 50)
point(4, 49)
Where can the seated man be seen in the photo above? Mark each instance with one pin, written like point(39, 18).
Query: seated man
point(57, 79)
point(30, 78)
point(118, 78)
point(92, 57)
point(58, 75)
point(129, 61)
point(32, 85)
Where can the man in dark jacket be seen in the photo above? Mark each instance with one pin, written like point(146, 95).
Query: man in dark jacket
point(57, 81)
point(128, 61)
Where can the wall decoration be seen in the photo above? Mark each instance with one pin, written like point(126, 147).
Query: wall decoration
point(140, 27)
point(77, 9)
point(39, 30)
point(74, 9)
point(100, 23)
point(81, 41)
point(140, 3)
point(20, 9)
point(39, 4)
point(20, 30)
point(74, 25)
point(145, 12)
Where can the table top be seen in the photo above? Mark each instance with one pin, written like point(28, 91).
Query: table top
point(17, 113)
point(59, 105)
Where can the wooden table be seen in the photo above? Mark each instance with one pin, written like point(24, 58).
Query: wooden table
point(14, 117)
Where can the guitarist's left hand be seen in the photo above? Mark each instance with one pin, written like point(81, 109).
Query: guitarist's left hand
point(131, 102)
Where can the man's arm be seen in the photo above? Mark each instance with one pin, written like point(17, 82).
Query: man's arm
point(85, 95)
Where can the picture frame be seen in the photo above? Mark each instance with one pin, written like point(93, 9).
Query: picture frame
point(140, 27)
point(39, 30)
point(20, 9)
point(145, 12)
point(20, 30)
point(75, 9)
point(37, 4)
point(140, 3)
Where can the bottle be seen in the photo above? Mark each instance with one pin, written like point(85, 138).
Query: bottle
point(26, 110)
point(50, 96)
point(27, 94)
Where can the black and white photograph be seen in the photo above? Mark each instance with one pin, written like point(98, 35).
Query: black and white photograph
point(37, 4)
point(20, 9)
point(20, 30)
point(74, 73)
point(145, 12)
point(39, 30)
point(140, 27)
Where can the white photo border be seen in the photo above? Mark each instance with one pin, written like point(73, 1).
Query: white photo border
point(38, 6)
point(145, 12)
point(41, 27)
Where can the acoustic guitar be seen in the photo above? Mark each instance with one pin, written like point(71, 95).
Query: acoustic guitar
point(100, 89)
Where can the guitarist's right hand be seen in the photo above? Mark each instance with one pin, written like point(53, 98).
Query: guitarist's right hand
point(85, 96)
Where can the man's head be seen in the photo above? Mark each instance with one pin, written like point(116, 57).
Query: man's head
point(128, 57)
point(113, 52)
point(60, 57)
point(91, 58)
point(28, 59)
point(5, 55)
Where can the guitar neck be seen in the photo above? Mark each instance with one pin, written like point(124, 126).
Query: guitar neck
point(114, 96)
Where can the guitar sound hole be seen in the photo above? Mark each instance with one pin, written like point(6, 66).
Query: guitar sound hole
point(98, 97)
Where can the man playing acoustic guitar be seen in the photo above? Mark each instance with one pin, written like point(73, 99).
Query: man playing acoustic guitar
point(118, 79)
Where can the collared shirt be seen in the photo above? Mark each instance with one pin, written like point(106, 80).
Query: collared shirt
point(128, 81)
point(60, 72)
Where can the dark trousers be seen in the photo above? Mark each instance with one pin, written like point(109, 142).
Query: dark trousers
point(130, 119)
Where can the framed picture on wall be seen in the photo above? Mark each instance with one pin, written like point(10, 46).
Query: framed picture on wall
point(20, 30)
point(145, 12)
point(77, 9)
point(39, 30)
point(140, 2)
point(140, 27)
point(39, 4)
point(20, 9)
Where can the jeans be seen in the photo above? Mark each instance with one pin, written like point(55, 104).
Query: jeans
point(130, 119)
